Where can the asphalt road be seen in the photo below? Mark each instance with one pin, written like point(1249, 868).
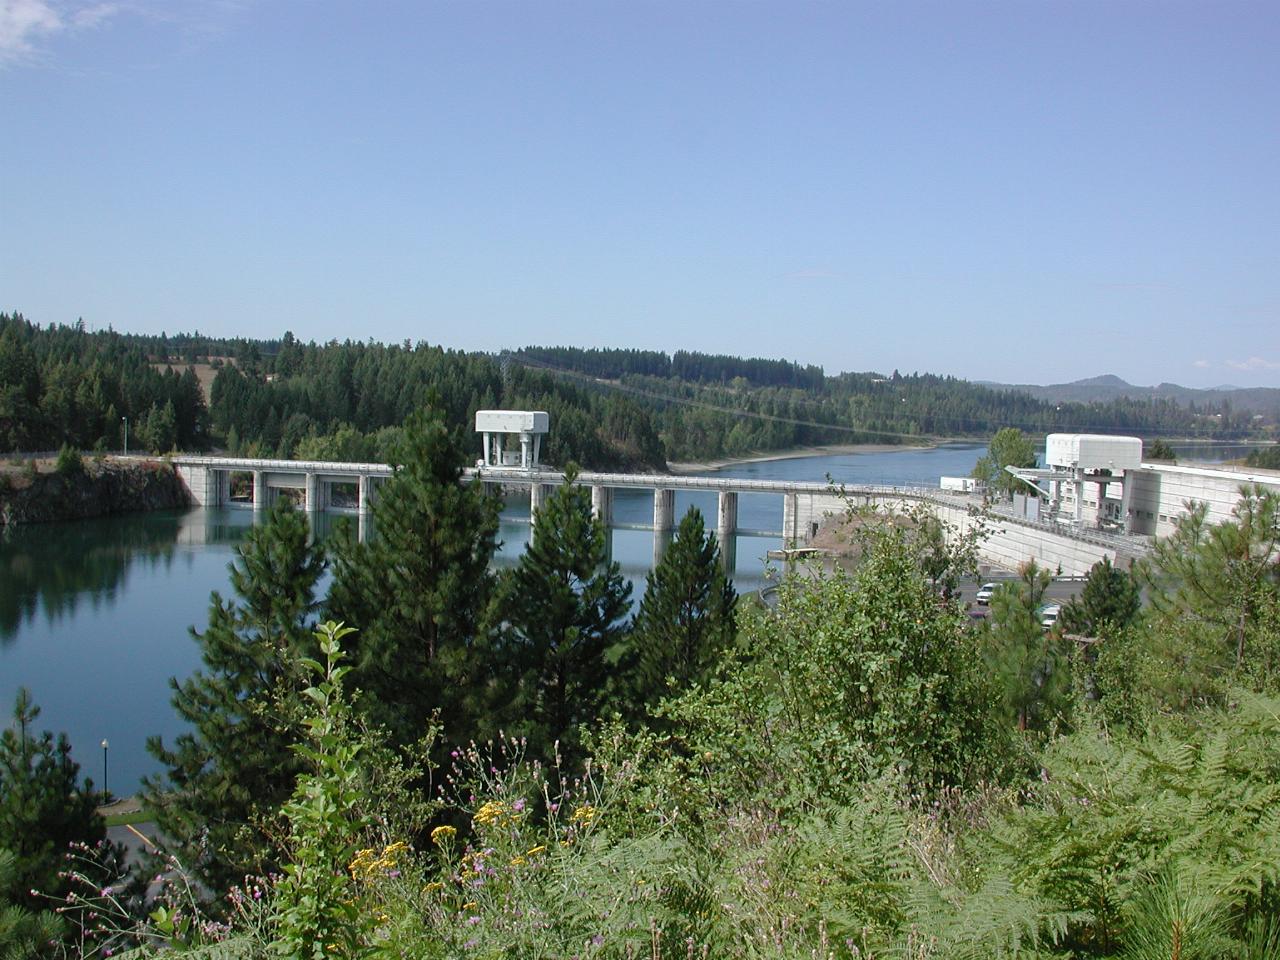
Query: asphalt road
point(1059, 591)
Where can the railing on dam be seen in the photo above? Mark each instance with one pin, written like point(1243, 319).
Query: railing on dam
point(352, 486)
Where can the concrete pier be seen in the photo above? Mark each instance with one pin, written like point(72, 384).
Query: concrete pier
point(664, 508)
point(602, 504)
point(259, 490)
point(363, 504)
point(791, 533)
point(661, 540)
point(312, 493)
point(537, 494)
point(726, 527)
point(727, 515)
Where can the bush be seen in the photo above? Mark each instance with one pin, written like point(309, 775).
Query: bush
point(69, 462)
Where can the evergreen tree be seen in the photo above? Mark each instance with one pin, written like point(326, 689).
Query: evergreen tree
point(23, 933)
point(686, 617)
point(1226, 577)
point(235, 766)
point(562, 607)
point(1160, 450)
point(1110, 601)
point(1030, 663)
point(43, 808)
point(417, 593)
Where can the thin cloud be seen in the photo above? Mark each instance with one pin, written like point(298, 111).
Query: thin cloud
point(91, 16)
point(24, 23)
point(1253, 363)
point(1202, 364)
point(27, 25)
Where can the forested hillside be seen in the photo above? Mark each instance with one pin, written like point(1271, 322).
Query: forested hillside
point(700, 400)
point(609, 408)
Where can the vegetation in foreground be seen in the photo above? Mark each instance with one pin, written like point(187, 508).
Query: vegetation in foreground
point(858, 772)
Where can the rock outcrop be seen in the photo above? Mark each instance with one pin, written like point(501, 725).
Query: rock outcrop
point(97, 489)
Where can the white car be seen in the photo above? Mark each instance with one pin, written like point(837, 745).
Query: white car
point(1049, 615)
point(986, 592)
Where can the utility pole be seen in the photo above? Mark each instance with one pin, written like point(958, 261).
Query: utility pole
point(125, 420)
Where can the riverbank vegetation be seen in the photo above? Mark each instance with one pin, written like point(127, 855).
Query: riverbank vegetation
point(610, 409)
point(508, 768)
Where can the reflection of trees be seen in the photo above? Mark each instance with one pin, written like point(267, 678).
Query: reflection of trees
point(51, 568)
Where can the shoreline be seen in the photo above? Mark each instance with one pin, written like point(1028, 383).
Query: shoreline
point(799, 453)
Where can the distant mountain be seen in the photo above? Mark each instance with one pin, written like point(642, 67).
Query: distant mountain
point(1101, 389)
point(1106, 380)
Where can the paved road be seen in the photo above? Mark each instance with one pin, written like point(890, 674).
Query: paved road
point(1059, 590)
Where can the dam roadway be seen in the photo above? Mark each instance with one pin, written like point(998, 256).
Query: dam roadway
point(352, 487)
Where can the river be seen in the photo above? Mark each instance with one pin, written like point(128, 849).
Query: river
point(95, 615)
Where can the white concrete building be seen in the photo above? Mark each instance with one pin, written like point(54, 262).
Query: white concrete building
point(496, 425)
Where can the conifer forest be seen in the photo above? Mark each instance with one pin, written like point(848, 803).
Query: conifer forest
point(612, 409)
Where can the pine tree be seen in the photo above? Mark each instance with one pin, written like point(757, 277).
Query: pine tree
point(563, 607)
point(43, 808)
point(1227, 577)
point(235, 766)
point(418, 592)
point(1030, 662)
point(1110, 601)
point(686, 617)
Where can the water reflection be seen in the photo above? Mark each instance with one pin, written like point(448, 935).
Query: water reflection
point(52, 569)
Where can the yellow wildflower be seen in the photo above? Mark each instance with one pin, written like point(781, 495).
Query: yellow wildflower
point(432, 887)
point(518, 861)
point(583, 815)
point(540, 848)
point(492, 812)
point(441, 835)
point(471, 905)
point(363, 865)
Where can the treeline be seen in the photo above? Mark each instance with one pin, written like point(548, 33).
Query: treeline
point(64, 386)
point(1268, 458)
point(347, 401)
point(609, 409)
point(614, 364)
point(710, 406)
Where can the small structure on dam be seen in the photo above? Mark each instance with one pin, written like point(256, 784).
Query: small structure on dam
point(497, 425)
point(1071, 461)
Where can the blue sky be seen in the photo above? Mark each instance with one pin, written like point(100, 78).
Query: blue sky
point(1024, 191)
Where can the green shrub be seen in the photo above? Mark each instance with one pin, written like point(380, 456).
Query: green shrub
point(69, 462)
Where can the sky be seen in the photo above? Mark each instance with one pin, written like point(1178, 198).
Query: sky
point(1027, 191)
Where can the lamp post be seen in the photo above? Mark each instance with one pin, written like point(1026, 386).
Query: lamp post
point(104, 767)
point(125, 421)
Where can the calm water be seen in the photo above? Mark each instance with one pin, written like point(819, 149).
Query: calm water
point(94, 616)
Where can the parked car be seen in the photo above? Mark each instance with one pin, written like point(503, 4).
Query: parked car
point(1049, 615)
point(985, 593)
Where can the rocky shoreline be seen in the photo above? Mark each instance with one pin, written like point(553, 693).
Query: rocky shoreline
point(97, 489)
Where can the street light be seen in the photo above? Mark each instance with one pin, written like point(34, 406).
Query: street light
point(125, 420)
point(104, 767)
